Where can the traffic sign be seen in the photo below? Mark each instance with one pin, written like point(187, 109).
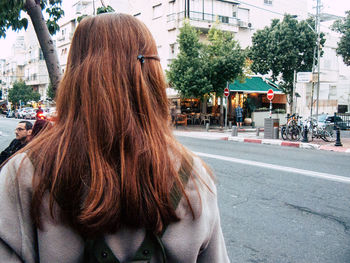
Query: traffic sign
point(270, 94)
point(304, 77)
point(226, 92)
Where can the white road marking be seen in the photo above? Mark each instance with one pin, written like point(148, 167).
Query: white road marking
point(331, 177)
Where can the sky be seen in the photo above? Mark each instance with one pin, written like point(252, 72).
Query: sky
point(335, 7)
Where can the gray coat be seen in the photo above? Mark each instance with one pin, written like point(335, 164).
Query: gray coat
point(186, 241)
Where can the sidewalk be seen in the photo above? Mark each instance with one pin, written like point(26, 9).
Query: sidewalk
point(249, 135)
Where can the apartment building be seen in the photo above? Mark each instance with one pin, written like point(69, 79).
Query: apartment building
point(68, 24)
point(63, 39)
point(35, 71)
point(243, 18)
point(334, 92)
point(12, 68)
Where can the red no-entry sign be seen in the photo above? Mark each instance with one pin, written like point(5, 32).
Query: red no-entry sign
point(226, 92)
point(270, 94)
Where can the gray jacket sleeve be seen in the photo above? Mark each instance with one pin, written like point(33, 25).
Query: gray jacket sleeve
point(214, 249)
point(17, 233)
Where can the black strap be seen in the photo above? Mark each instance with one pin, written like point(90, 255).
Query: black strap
point(98, 251)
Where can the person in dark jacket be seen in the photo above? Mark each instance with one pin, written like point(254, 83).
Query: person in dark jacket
point(22, 131)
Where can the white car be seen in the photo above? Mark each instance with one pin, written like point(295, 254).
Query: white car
point(50, 113)
point(22, 113)
point(30, 114)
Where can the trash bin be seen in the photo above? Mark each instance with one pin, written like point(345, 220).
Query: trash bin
point(234, 131)
point(269, 125)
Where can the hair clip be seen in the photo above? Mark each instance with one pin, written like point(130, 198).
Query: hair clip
point(141, 58)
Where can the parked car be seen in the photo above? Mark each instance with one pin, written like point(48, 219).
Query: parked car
point(50, 113)
point(325, 119)
point(22, 112)
point(30, 114)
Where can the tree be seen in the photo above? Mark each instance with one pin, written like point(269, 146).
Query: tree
point(22, 92)
point(50, 93)
point(342, 26)
point(10, 17)
point(224, 60)
point(282, 48)
point(100, 10)
point(186, 72)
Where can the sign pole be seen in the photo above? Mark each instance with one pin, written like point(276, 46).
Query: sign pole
point(270, 109)
point(226, 93)
point(226, 113)
point(270, 95)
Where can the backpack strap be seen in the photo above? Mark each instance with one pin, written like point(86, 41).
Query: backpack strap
point(98, 251)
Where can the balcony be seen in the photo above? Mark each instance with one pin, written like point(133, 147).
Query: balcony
point(203, 21)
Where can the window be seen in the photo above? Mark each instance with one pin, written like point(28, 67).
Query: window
point(157, 11)
point(332, 94)
point(234, 10)
point(63, 51)
point(224, 19)
point(41, 55)
point(172, 51)
point(268, 2)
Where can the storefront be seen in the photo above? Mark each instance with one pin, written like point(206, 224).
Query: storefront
point(251, 96)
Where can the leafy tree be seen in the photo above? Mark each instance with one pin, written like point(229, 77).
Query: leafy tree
point(342, 26)
point(100, 10)
point(10, 17)
point(224, 61)
point(186, 72)
point(21, 91)
point(50, 93)
point(282, 48)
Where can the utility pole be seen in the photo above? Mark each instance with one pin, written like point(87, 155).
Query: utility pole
point(318, 11)
point(188, 8)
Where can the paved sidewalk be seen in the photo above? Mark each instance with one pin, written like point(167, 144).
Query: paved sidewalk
point(249, 135)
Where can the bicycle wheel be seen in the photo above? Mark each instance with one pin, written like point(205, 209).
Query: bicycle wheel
point(293, 133)
point(328, 136)
point(283, 133)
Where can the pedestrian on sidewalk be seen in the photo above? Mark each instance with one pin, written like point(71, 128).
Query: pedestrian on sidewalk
point(109, 174)
point(239, 116)
point(22, 132)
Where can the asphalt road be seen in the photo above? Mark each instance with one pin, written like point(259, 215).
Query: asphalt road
point(277, 204)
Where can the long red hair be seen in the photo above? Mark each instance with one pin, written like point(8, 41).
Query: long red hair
point(110, 158)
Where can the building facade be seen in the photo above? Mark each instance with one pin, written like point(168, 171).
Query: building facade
point(165, 18)
point(35, 70)
point(334, 92)
point(12, 68)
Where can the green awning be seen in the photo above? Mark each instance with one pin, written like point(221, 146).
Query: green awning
point(254, 85)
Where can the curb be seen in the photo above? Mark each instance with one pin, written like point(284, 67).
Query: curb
point(291, 144)
point(219, 136)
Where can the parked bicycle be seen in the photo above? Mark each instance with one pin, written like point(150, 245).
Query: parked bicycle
point(292, 130)
point(314, 130)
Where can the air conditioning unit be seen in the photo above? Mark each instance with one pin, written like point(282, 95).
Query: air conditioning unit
point(243, 24)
